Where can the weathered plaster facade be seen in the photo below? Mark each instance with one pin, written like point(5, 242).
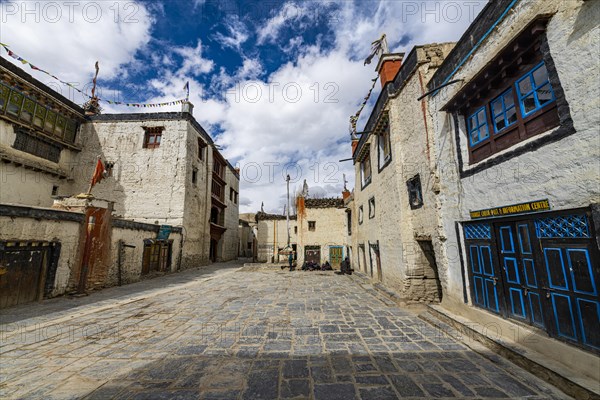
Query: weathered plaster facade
point(231, 235)
point(393, 242)
point(328, 231)
point(169, 184)
point(563, 170)
point(35, 224)
point(26, 178)
point(272, 236)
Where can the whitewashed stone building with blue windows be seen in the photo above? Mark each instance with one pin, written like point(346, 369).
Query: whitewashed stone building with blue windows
point(516, 118)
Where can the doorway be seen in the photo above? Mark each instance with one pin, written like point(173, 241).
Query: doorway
point(336, 255)
point(312, 254)
point(543, 270)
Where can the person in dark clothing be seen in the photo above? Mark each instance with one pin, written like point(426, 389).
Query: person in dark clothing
point(345, 267)
point(291, 260)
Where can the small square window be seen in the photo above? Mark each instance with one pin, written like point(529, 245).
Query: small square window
point(415, 195)
point(296, 230)
point(152, 137)
point(54, 190)
point(372, 208)
point(312, 225)
point(194, 176)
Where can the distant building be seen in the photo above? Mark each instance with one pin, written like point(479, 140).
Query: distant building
point(321, 230)
point(272, 237)
point(317, 233)
point(247, 234)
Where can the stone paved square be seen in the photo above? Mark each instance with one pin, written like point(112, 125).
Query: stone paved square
point(249, 333)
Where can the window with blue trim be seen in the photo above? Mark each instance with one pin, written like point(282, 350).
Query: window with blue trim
point(534, 90)
point(505, 117)
point(478, 127)
point(504, 111)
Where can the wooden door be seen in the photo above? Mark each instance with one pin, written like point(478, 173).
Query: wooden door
point(336, 255)
point(21, 272)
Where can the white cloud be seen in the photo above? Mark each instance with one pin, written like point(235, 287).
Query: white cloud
point(238, 34)
point(198, 3)
point(66, 39)
point(193, 62)
point(308, 132)
point(251, 68)
point(290, 12)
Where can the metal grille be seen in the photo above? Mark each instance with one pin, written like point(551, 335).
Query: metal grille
point(478, 231)
point(564, 226)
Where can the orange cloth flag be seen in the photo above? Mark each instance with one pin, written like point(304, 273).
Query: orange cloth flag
point(98, 173)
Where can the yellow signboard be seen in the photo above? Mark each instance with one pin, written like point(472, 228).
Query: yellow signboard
point(532, 206)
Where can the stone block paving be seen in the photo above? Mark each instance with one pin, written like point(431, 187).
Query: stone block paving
point(256, 333)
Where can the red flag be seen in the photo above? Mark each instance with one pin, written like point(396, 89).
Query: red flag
point(98, 173)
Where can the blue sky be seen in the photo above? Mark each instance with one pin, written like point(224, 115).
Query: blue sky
point(274, 82)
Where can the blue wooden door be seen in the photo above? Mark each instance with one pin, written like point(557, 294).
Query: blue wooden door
point(485, 282)
point(571, 264)
point(522, 284)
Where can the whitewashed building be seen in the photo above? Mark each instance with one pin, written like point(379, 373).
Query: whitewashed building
point(317, 233)
point(169, 199)
point(392, 218)
point(516, 117)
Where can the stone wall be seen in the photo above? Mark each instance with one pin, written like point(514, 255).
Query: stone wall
point(20, 223)
point(47, 225)
point(272, 235)
point(564, 171)
point(131, 259)
point(147, 184)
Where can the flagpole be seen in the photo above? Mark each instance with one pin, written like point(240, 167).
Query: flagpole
point(288, 211)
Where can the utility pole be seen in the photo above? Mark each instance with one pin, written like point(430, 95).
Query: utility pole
point(288, 211)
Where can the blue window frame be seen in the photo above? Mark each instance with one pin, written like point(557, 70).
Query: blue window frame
point(534, 90)
point(504, 111)
point(478, 126)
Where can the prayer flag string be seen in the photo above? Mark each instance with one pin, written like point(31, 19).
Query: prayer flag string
point(354, 118)
point(23, 61)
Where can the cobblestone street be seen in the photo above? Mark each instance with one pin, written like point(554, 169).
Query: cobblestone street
point(250, 333)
